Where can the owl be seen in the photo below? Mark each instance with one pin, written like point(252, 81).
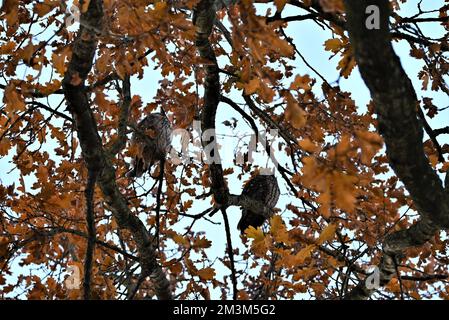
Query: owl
point(265, 189)
point(152, 148)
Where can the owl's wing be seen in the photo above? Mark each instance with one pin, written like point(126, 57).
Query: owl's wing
point(249, 218)
point(262, 188)
point(154, 148)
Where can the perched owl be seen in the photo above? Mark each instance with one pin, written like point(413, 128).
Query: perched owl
point(263, 188)
point(155, 147)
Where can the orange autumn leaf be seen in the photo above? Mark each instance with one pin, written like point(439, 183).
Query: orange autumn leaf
point(4, 242)
point(334, 45)
point(327, 234)
point(370, 143)
point(252, 86)
point(278, 230)
point(256, 234)
point(5, 146)
point(305, 253)
point(295, 114)
point(11, 10)
point(13, 100)
point(301, 82)
point(43, 8)
point(280, 4)
point(332, 5)
point(201, 243)
point(206, 274)
point(307, 145)
point(85, 5)
point(7, 48)
point(344, 190)
point(179, 239)
point(59, 61)
point(27, 52)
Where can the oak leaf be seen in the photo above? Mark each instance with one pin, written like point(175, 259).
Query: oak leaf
point(206, 274)
point(327, 234)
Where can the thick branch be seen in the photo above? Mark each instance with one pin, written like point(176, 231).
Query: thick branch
point(230, 253)
point(97, 160)
point(396, 106)
point(204, 20)
point(106, 245)
point(91, 239)
point(120, 143)
point(51, 110)
point(439, 131)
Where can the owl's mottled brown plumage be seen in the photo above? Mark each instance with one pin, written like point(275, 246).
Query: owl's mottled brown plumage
point(154, 147)
point(263, 188)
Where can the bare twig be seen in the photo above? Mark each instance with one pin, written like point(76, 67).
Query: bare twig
point(231, 254)
point(158, 200)
point(90, 221)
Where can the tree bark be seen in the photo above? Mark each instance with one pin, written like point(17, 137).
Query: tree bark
point(396, 106)
point(96, 158)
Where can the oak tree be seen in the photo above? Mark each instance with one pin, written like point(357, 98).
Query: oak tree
point(364, 195)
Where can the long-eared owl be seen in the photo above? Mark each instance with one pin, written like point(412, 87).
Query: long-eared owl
point(265, 189)
point(154, 146)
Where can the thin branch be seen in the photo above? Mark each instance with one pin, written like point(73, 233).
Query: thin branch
point(401, 286)
point(51, 110)
point(245, 116)
point(120, 143)
point(56, 230)
point(439, 131)
point(136, 287)
point(291, 18)
point(158, 200)
point(267, 119)
point(91, 239)
point(431, 134)
point(231, 254)
point(418, 20)
point(430, 277)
